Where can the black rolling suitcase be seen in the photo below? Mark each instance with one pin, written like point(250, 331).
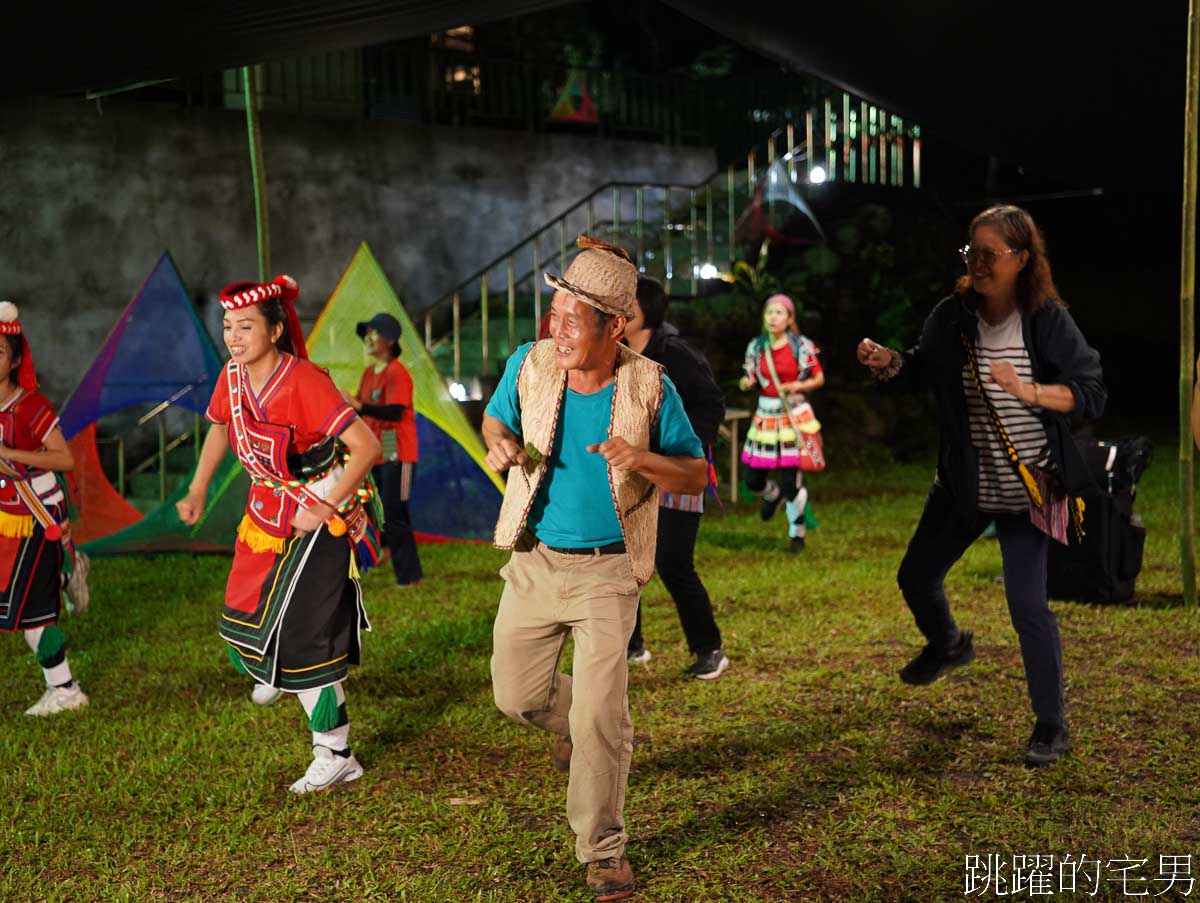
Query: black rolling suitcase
point(1103, 568)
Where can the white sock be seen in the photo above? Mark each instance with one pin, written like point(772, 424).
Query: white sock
point(337, 739)
point(58, 675)
point(33, 637)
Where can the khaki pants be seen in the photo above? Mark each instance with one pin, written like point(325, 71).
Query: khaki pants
point(548, 596)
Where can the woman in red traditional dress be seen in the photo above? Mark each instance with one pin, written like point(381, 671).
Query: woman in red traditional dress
point(33, 517)
point(293, 605)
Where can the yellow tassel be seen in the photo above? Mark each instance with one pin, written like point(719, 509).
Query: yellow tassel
point(1079, 508)
point(1035, 494)
point(257, 538)
point(16, 526)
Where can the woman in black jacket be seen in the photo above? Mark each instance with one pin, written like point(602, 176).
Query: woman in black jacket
point(679, 515)
point(1006, 365)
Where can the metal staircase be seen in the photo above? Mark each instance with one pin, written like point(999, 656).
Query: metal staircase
point(681, 233)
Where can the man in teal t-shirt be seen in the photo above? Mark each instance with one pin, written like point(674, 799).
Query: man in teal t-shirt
point(571, 572)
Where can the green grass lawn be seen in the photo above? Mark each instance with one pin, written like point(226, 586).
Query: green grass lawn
point(808, 772)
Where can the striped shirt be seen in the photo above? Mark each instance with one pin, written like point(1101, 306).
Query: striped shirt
point(1000, 489)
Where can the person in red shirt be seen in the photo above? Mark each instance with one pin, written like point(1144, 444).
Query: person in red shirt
point(293, 605)
point(34, 532)
point(784, 436)
point(385, 402)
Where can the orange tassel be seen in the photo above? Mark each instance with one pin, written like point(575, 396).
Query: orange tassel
point(337, 526)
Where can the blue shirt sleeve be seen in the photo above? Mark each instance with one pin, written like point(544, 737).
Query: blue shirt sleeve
point(505, 405)
point(673, 434)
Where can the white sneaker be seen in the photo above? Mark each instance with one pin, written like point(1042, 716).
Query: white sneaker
point(58, 699)
point(77, 585)
point(326, 770)
point(639, 656)
point(264, 694)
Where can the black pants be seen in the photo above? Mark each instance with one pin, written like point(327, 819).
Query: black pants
point(397, 527)
point(941, 539)
point(674, 559)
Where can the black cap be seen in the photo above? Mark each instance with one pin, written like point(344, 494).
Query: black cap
point(386, 325)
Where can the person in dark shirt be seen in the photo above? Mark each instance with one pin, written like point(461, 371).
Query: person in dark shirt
point(1006, 365)
point(679, 515)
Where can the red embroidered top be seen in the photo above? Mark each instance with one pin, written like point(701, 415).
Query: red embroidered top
point(787, 368)
point(297, 408)
point(25, 423)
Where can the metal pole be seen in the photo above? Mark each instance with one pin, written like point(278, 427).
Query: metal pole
point(916, 143)
point(830, 137)
point(483, 324)
point(537, 287)
point(863, 138)
point(456, 309)
point(639, 212)
point(162, 459)
point(668, 257)
point(730, 211)
point(846, 174)
point(733, 460)
point(708, 221)
point(250, 93)
point(695, 243)
point(616, 217)
point(1187, 513)
point(750, 172)
point(791, 150)
point(512, 306)
point(808, 145)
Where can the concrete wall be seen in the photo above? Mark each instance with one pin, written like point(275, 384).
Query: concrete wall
point(89, 198)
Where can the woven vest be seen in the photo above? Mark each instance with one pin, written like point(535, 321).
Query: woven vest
point(637, 397)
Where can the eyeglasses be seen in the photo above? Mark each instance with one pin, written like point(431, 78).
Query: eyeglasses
point(985, 255)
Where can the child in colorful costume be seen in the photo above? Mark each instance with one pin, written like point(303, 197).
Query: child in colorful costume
point(784, 434)
point(293, 605)
point(34, 530)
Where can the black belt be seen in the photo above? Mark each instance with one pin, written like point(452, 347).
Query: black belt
point(613, 548)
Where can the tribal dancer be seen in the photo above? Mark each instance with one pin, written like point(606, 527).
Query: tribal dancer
point(293, 606)
point(783, 438)
point(34, 532)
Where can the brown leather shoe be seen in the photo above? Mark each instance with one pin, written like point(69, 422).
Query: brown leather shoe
point(610, 879)
point(562, 753)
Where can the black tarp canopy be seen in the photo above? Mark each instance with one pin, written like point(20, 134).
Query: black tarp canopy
point(1075, 90)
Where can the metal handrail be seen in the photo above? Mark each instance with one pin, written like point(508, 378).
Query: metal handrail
point(531, 242)
point(164, 447)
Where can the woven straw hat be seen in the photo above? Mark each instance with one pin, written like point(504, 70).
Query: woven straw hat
point(601, 275)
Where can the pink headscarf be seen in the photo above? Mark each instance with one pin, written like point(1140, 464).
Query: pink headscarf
point(784, 300)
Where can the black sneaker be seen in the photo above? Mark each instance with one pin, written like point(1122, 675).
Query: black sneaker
point(708, 665)
point(1047, 744)
point(796, 546)
point(770, 506)
point(931, 662)
point(639, 656)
